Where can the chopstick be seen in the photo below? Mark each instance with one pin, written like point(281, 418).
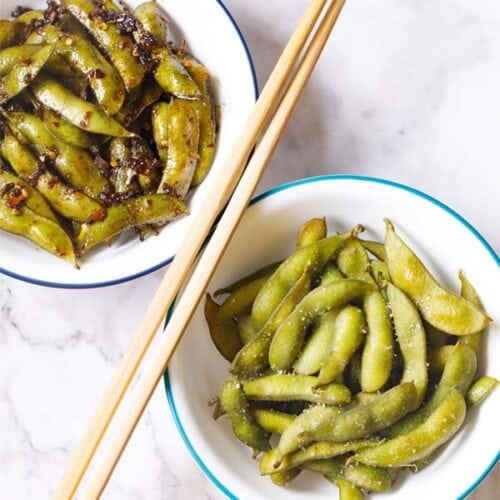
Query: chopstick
point(217, 197)
point(209, 259)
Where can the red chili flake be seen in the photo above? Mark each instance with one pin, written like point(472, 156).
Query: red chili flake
point(97, 216)
point(83, 124)
point(26, 62)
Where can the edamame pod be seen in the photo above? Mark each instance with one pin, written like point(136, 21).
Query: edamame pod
point(469, 293)
point(380, 272)
point(32, 199)
point(273, 421)
point(289, 387)
point(411, 337)
point(441, 308)
point(223, 333)
point(263, 271)
point(79, 53)
point(67, 201)
point(364, 420)
point(370, 478)
point(80, 113)
point(240, 301)
point(315, 255)
point(159, 125)
point(150, 92)
point(182, 153)
point(254, 357)
point(311, 232)
point(481, 389)
point(117, 46)
point(123, 177)
point(312, 356)
point(375, 248)
point(245, 329)
point(205, 109)
point(458, 374)
point(75, 165)
point(245, 428)
point(354, 263)
point(438, 357)
point(147, 209)
point(331, 273)
point(23, 73)
point(8, 33)
point(288, 340)
point(45, 233)
point(349, 333)
point(442, 425)
point(376, 363)
point(284, 478)
point(152, 20)
point(347, 491)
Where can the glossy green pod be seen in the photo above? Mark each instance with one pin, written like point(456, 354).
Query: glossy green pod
point(74, 164)
point(8, 33)
point(45, 233)
point(205, 109)
point(23, 73)
point(117, 46)
point(149, 93)
point(289, 338)
point(315, 255)
point(147, 209)
point(441, 308)
point(411, 338)
point(65, 200)
point(370, 478)
point(442, 425)
point(273, 421)
point(123, 178)
point(182, 153)
point(223, 333)
point(80, 113)
point(480, 390)
point(234, 402)
point(80, 54)
point(375, 248)
point(312, 231)
point(347, 490)
point(159, 125)
point(349, 333)
point(285, 478)
point(353, 262)
point(153, 20)
point(245, 329)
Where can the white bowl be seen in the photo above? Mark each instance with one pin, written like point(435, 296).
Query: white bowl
point(216, 40)
point(446, 242)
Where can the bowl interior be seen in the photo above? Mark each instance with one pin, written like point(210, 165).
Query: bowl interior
point(266, 234)
point(210, 32)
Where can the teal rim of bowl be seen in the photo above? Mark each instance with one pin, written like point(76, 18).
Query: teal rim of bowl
point(301, 182)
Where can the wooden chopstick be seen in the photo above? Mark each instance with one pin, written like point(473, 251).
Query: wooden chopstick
point(209, 260)
point(217, 197)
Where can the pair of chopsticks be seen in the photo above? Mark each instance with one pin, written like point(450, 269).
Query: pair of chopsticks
point(179, 269)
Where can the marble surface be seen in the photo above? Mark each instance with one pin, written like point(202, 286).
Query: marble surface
point(405, 90)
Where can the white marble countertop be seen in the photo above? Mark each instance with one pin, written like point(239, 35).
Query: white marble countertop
point(406, 91)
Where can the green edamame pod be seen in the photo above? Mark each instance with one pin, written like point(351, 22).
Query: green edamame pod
point(376, 363)
point(288, 340)
point(312, 356)
point(8, 33)
point(240, 301)
point(411, 337)
point(347, 490)
point(68, 202)
point(289, 387)
point(245, 329)
point(147, 209)
point(315, 451)
point(233, 400)
point(10, 56)
point(469, 293)
point(62, 129)
point(284, 478)
point(74, 164)
point(149, 94)
point(23, 73)
point(34, 200)
point(354, 263)
point(380, 271)
point(205, 109)
point(349, 333)
point(435, 338)
point(481, 389)
point(159, 125)
point(375, 248)
point(457, 375)
point(328, 467)
point(438, 357)
point(182, 153)
point(273, 421)
point(117, 46)
point(353, 375)
point(80, 113)
point(45, 233)
point(330, 273)
point(370, 478)
point(315, 255)
point(442, 425)
point(441, 308)
point(223, 333)
point(364, 420)
point(152, 20)
point(254, 357)
point(123, 177)
point(311, 232)
point(267, 271)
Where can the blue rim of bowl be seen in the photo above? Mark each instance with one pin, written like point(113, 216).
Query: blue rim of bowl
point(125, 279)
point(311, 180)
